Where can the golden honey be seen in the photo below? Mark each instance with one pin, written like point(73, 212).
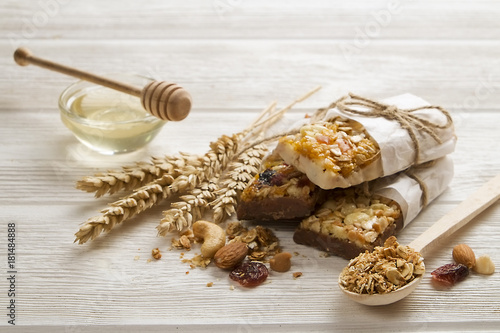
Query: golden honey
point(106, 120)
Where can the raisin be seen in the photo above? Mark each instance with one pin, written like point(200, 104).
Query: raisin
point(250, 274)
point(266, 176)
point(450, 274)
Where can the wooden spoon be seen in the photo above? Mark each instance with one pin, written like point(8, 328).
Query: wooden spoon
point(448, 224)
point(164, 100)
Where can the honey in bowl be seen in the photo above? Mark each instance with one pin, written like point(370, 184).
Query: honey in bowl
point(108, 121)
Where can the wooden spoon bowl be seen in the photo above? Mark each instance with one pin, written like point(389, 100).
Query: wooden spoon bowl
point(448, 224)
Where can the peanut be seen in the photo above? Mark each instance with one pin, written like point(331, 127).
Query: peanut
point(281, 262)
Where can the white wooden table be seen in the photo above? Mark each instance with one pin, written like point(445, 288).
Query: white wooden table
point(235, 57)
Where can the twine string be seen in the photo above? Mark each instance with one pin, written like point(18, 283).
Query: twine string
point(409, 121)
point(411, 172)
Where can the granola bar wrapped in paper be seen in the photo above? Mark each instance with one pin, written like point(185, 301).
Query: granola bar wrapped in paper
point(356, 219)
point(358, 140)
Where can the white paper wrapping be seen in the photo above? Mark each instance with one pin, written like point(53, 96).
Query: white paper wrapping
point(398, 150)
point(396, 146)
point(407, 192)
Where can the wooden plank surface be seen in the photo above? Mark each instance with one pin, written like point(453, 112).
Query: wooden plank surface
point(235, 57)
point(238, 19)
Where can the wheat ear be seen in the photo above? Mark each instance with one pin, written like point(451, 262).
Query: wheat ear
point(191, 208)
point(222, 151)
point(130, 177)
point(117, 212)
point(234, 181)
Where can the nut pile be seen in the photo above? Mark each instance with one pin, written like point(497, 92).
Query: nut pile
point(256, 244)
point(465, 260)
point(261, 241)
point(386, 269)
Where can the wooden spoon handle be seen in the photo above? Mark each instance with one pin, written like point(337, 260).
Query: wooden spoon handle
point(24, 57)
point(458, 217)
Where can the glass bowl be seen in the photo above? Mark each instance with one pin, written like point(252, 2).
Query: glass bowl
point(108, 121)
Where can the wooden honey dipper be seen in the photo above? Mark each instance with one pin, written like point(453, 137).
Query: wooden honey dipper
point(164, 100)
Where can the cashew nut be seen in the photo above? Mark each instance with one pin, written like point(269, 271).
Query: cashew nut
point(213, 236)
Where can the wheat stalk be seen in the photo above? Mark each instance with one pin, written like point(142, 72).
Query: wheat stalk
point(181, 217)
point(191, 208)
point(130, 177)
point(189, 176)
point(117, 212)
point(239, 173)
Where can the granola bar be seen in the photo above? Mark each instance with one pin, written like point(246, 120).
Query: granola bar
point(357, 140)
point(350, 222)
point(279, 192)
point(335, 153)
point(357, 219)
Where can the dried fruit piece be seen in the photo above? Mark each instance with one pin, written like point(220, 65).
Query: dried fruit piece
point(250, 274)
point(484, 265)
point(450, 274)
point(281, 262)
point(463, 254)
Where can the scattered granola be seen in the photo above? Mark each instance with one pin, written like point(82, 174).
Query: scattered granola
point(296, 275)
point(234, 229)
point(262, 242)
point(197, 261)
point(386, 269)
point(185, 240)
point(210, 284)
point(156, 253)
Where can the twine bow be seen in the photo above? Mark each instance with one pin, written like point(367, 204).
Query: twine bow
point(405, 117)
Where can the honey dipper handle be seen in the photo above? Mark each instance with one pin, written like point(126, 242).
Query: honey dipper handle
point(164, 100)
point(24, 57)
point(481, 199)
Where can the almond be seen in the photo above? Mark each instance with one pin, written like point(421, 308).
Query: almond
point(230, 255)
point(464, 255)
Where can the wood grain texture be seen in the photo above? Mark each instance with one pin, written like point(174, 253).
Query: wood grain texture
point(249, 74)
point(234, 57)
point(228, 19)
